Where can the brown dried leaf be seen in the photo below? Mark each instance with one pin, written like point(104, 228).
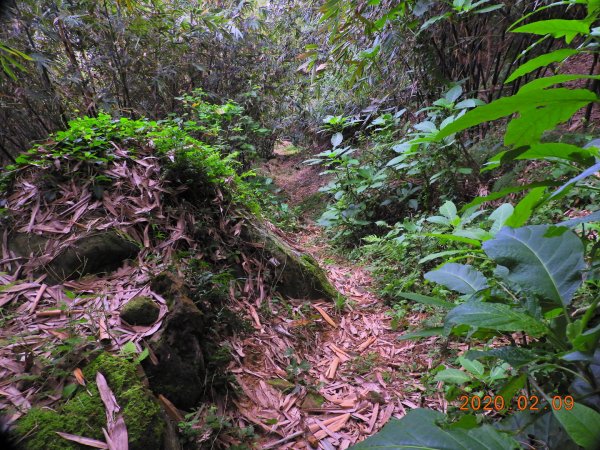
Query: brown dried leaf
point(83, 440)
point(326, 316)
point(78, 374)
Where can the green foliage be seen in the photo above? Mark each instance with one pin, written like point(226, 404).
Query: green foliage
point(541, 263)
point(98, 141)
point(273, 204)
point(207, 426)
point(297, 368)
point(458, 277)
point(130, 352)
point(529, 279)
point(364, 364)
point(336, 124)
point(542, 266)
point(353, 186)
point(9, 60)
point(84, 414)
point(422, 428)
point(366, 186)
point(129, 58)
point(224, 126)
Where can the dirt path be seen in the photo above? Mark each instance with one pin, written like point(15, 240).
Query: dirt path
point(319, 375)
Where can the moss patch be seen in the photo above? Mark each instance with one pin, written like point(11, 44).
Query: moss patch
point(85, 415)
point(140, 311)
point(297, 274)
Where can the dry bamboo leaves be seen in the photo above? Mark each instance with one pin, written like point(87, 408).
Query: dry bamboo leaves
point(354, 359)
point(325, 316)
point(88, 306)
point(333, 350)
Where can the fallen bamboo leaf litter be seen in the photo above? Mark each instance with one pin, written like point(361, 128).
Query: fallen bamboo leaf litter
point(327, 392)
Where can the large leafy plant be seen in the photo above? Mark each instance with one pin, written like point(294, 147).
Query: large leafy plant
point(530, 300)
point(529, 297)
point(540, 106)
point(352, 185)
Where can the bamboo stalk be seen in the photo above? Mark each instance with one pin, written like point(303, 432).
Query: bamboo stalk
point(57, 312)
point(333, 368)
point(325, 316)
point(362, 347)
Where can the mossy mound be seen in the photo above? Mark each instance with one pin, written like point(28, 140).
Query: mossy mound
point(297, 274)
point(181, 370)
point(140, 311)
point(84, 414)
point(97, 253)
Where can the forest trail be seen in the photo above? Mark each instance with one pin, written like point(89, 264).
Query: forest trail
point(324, 375)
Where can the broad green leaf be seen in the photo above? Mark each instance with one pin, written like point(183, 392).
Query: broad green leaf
point(472, 366)
point(453, 376)
point(425, 126)
point(588, 340)
point(426, 300)
point(556, 28)
point(495, 316)
point(515, 356)
point(525, 207)
point(337, 139)
point(427, 332)
point(453, 94)
point(397, 160)
point(511, 387)
point(439, 220)
point(543, 429)
point(528, 100)
point(543, 83)
point(462, 278)
point(541, 61)
point(510, 190)
point(433, 20)
point(557, 150)
point(488, 9)
point(582, 424)
point(448, 210)
point(533, 120)
point(500, 216)
point(451, 237)
point(473, 233)
point(543, 151)
point(549, 267)
point(469, 103)
point(420, 430)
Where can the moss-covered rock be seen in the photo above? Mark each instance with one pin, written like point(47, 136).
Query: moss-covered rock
point(181, 369)
point(297, 274)
point(84, 414)
point(140, 311)
point(91, 254)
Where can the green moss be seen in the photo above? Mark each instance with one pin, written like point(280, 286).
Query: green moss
point(85, 414)
point(140, 311)
point(42, 424)
point(311, 269)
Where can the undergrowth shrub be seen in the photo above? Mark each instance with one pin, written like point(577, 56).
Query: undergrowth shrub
point(399, 170)
point(92, 143)
point(525, 297)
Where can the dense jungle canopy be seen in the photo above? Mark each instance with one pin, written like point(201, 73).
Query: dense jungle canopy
point(298, 224)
